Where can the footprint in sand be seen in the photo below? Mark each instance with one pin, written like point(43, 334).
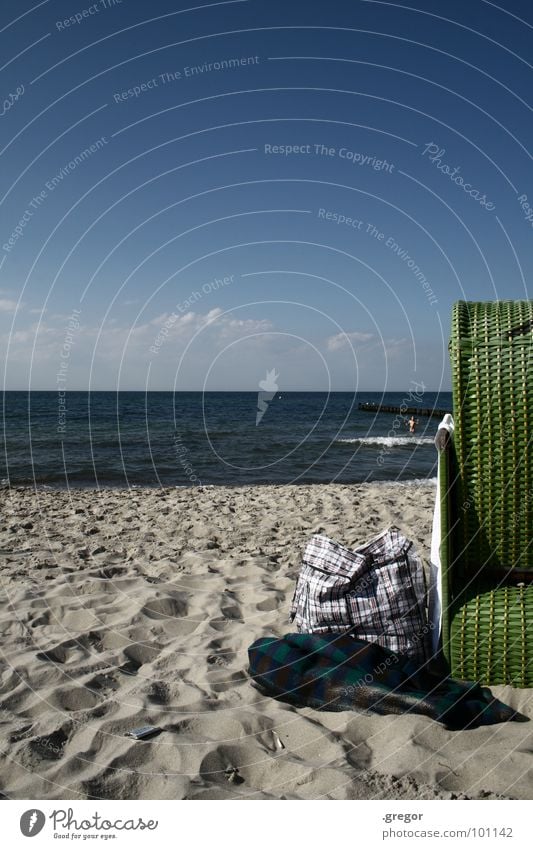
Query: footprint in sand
point(109, 572)
point(129, 668)
point(21, 734)
point(41, 619)
point(219, 654)
point(166, 608)
point(50, 747)
point(80, 647)
point(76, 698)
point(139, 654)
point(271, 603)
point(59, 654)
point(103, 683)
point(232, 611)
point(144, 770)
point(159, 693)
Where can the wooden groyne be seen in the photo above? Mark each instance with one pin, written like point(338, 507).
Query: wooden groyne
point(371, 407)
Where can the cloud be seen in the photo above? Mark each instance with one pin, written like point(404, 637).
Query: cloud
point(7, 305)
point(341, 340)
point(397, 348)
point(214, 326)
point(190, 350)
point(169, 333)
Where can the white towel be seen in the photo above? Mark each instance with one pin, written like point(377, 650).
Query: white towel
point(435, 598)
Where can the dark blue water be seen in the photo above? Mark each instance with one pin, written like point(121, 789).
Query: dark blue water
point(191, 438)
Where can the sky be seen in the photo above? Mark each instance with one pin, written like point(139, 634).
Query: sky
point(193, 195)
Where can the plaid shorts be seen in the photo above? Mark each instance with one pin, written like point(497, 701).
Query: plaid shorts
point(377, 591)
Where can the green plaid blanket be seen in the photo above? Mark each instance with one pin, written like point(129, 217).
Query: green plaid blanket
point(338, 672)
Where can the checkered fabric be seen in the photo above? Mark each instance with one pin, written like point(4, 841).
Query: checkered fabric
point(337, 672)
point(377, 592)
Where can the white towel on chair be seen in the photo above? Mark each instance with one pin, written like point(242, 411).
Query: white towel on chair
point(435, 599)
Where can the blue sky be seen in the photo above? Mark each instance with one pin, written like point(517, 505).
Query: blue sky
point(194, 195)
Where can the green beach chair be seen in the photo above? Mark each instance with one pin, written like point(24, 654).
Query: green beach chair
point(486, 496)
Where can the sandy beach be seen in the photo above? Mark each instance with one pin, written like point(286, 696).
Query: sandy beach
point(122, 608)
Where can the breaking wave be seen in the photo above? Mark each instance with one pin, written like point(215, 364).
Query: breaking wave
point(389, 441)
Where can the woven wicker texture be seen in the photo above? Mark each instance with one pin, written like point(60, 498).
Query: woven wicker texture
point(488, 555)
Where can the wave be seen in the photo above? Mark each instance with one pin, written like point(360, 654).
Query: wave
point(390, 441)
point(408, 482)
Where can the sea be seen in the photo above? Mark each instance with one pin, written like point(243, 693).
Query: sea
point(151, 439)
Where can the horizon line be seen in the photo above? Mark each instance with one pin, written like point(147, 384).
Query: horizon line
point(215, 391)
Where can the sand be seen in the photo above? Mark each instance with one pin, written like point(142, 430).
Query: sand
point(127, 608)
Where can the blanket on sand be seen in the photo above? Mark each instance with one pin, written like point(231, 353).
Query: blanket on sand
point(337, 672)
